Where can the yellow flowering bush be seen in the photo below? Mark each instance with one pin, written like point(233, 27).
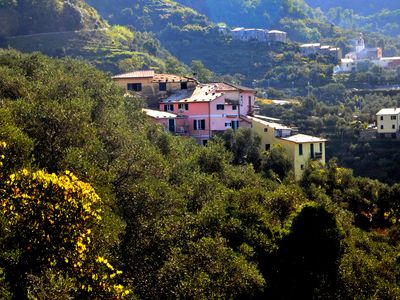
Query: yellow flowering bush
point(53, 218)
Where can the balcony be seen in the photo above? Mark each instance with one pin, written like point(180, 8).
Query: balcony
point(317, 155)
point(182, 130)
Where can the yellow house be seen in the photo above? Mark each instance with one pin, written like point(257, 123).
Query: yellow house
point(388, 122)
point(300, 147)
point(152, 86)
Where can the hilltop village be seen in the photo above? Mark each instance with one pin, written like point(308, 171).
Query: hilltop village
point(185, 107)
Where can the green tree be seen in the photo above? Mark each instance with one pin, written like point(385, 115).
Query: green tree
point(200, 72)
point(275, 163)
point(309, 255)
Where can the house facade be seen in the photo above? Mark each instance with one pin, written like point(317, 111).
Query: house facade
point(258, 34)
point(277, 36)
point(165, 119)
point(300, 147)
point(152, 86)
point(388, 122)
point(210, 109)
point(317, 48)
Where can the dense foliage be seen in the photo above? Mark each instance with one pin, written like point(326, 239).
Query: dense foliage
point(149, 15)
point(250, 13)
point(177, 219)
point(30, 17)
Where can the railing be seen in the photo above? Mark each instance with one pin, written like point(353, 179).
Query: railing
point(318, 155)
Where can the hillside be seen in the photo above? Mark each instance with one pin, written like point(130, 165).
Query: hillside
point(251, 13)
point(29, 17)
point(75, 29)
point(148, 15)
point(361, 7)
point(373, 16)
point(114, 49)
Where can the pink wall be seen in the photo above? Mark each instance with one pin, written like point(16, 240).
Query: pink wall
point(245, 108)
point(196, 111)
point(215, 119)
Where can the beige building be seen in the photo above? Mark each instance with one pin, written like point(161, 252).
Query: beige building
point(154, 87)
point(388, 122)
point(300, 147)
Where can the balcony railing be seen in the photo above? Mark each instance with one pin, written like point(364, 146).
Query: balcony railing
point(318, 155)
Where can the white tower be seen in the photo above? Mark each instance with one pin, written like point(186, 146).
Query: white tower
point(360, 45)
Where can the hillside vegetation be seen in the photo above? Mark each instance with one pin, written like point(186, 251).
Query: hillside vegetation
point(158, 216)
point(361, 7)
point(148, 15)
point(262, 14)
point(28, 17)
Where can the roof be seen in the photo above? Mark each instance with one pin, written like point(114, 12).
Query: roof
point(238, 29)
point(303, 138)
point(266, 118)
point(202, 93)
point(171, 78)
point(136, 74)
point(270, 124)
point(240, 87)
point(156, 114)
point(388, 111)
point(225, 87)
point(276, 31)
point(347, 60)
point(391, 58)
point(310, 45)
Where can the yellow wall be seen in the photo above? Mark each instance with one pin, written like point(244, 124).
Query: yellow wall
point(266, 133)
point(268, 137)
point(300, 161)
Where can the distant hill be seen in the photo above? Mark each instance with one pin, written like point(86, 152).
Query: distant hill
point(73, 28)
point(22, 17)
point(382, 16)
point(362, 7)
point(148, 15)
point(251, 13)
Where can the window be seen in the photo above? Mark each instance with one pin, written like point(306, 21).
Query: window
point(381, 118)
point(393, 126)
point(183, 106)
point(199, 124)
point(184, 86)
point(234, 107)
point(220, 107)
point(381, 126)
point(235, 125)
point(302, 167)
point(228, 124)
point(300, 149)
point(312, 150)
point(265, 129)
point(162, 86)
point(137, 87)
point(320, 147)
point(393, 117)
point(205, 142)
point(168, 107)
point(267, 147)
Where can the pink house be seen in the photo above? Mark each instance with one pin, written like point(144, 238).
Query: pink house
point(210, 109)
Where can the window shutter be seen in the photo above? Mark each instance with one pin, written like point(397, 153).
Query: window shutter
point(195, 124)
point(165, 107)
point(203, 124)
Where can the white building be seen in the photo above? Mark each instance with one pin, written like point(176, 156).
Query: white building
point(388, 122)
